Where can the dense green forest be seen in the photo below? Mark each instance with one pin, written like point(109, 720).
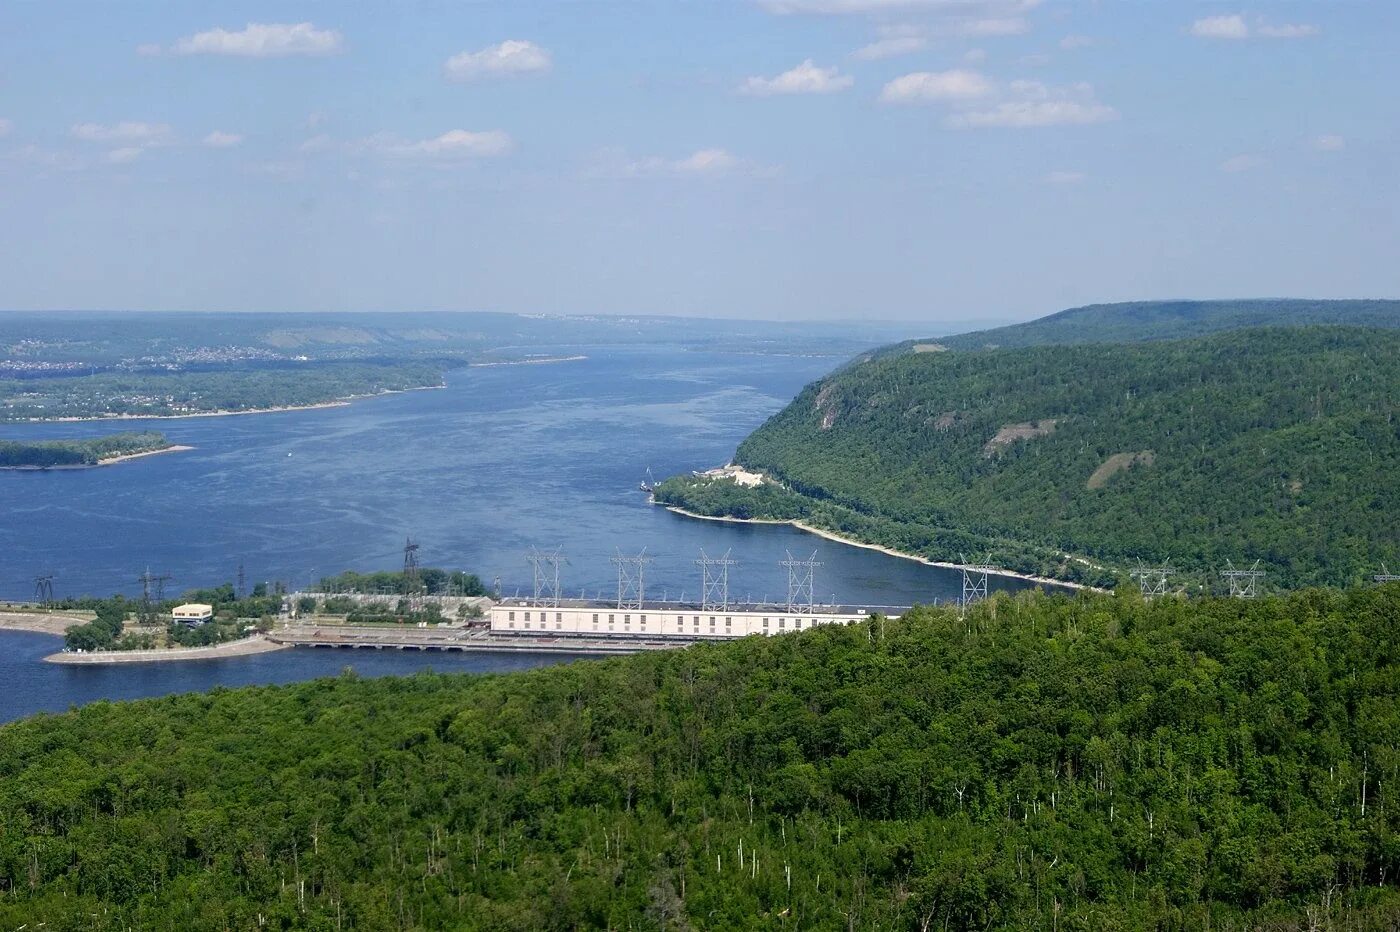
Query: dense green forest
point(1169, 320)
point(1045, 762)
point(47, 454)
point(430, 580)
point(1274, 444)
point(158, 394)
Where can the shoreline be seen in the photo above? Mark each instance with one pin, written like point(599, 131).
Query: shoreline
point(887, 551)
point(244, 647)
point(525, 362)
point(39, 622)
point(278, 409)
point(173, 448)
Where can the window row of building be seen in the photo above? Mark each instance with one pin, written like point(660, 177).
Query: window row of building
point(604, 621)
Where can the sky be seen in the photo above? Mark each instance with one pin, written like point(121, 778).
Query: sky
point(902, 160)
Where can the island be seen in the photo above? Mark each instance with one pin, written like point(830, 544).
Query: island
point(83, 453)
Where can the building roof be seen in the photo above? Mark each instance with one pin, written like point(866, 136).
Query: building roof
point(193, 608)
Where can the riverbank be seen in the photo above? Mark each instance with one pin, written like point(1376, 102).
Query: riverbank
point(279, 409)
point(257, 644)
point(105, 461)
point(40, 622)
point(887, 551)
point(525, 362)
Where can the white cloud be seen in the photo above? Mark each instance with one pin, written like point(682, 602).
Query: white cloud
point(1329, 143)
point(1235, 26)
point(973, 56)
point(149, 49)
point(132, 133)
point(1241, 163)
point(1065, 177)
point(892, 47)
point(806, 78)
point(1070, 43)
point(125, 155)
point(703, 163)
point(262, 40)
point(453, 145)
point(926, 86)
point(513, 56)
point(995, 26)
point(1027, 104)
point(1021, 114)
point(1287, 30)
point(221, 140)
point(5, 127)
point(1229, 26)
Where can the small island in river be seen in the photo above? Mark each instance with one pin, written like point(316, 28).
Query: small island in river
point(83, 453)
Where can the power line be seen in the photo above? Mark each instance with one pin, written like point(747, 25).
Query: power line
point(631, 578)
point(43, 590)
point(1244, 584)
point(801, 573)
point(1152, 580)
point(545, 564)
point(974, 581)
point(714, 587)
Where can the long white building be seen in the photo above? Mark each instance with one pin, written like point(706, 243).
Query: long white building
point(596, 619)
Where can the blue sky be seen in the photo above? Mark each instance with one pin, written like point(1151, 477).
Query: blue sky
point(789, 159)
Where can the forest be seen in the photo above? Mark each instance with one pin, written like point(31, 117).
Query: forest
point(1041, 761)
point(49, 454)
point(1273, 444)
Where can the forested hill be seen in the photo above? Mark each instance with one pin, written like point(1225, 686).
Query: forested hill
point(1087, 763)
point(1275, 444)
point(1167, 320)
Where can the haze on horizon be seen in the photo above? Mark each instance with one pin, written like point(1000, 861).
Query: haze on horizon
point(919, 160)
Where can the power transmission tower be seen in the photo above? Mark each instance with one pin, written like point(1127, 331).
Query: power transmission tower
point(43, 590)
point(714, 586)
point(242, 581)
point(545, 564)
point(1244, 584)
point(974, 581)
point(1152, 580)
point(147, 580)
point(1385, 576)
point(631, 579)
point(801, 593)
point(410, 566)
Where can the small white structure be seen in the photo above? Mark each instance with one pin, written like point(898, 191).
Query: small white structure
point(192, 613)
point(666, 620)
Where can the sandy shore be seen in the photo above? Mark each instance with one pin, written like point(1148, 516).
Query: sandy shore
point(850, 542)
point(40, 622)
point(336, 403)
point(524, 362)
point(257, 644)
point(173, 448)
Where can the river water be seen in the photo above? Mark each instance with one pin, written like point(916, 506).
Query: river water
point(501, 459)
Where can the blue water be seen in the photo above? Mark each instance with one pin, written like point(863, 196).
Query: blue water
point(501, 459)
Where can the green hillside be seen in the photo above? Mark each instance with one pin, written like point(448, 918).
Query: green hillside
point(1094, 763)
point(1138, 321)
point(1273, 444)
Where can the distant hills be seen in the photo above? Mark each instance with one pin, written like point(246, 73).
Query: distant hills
point(1072, 452)
point(1140, 321)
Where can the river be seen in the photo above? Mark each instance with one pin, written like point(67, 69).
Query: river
point(501, 459)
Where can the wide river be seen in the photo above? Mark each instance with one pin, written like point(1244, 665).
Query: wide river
point(501, 459)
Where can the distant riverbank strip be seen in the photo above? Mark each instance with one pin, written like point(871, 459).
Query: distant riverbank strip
point(851, 542)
